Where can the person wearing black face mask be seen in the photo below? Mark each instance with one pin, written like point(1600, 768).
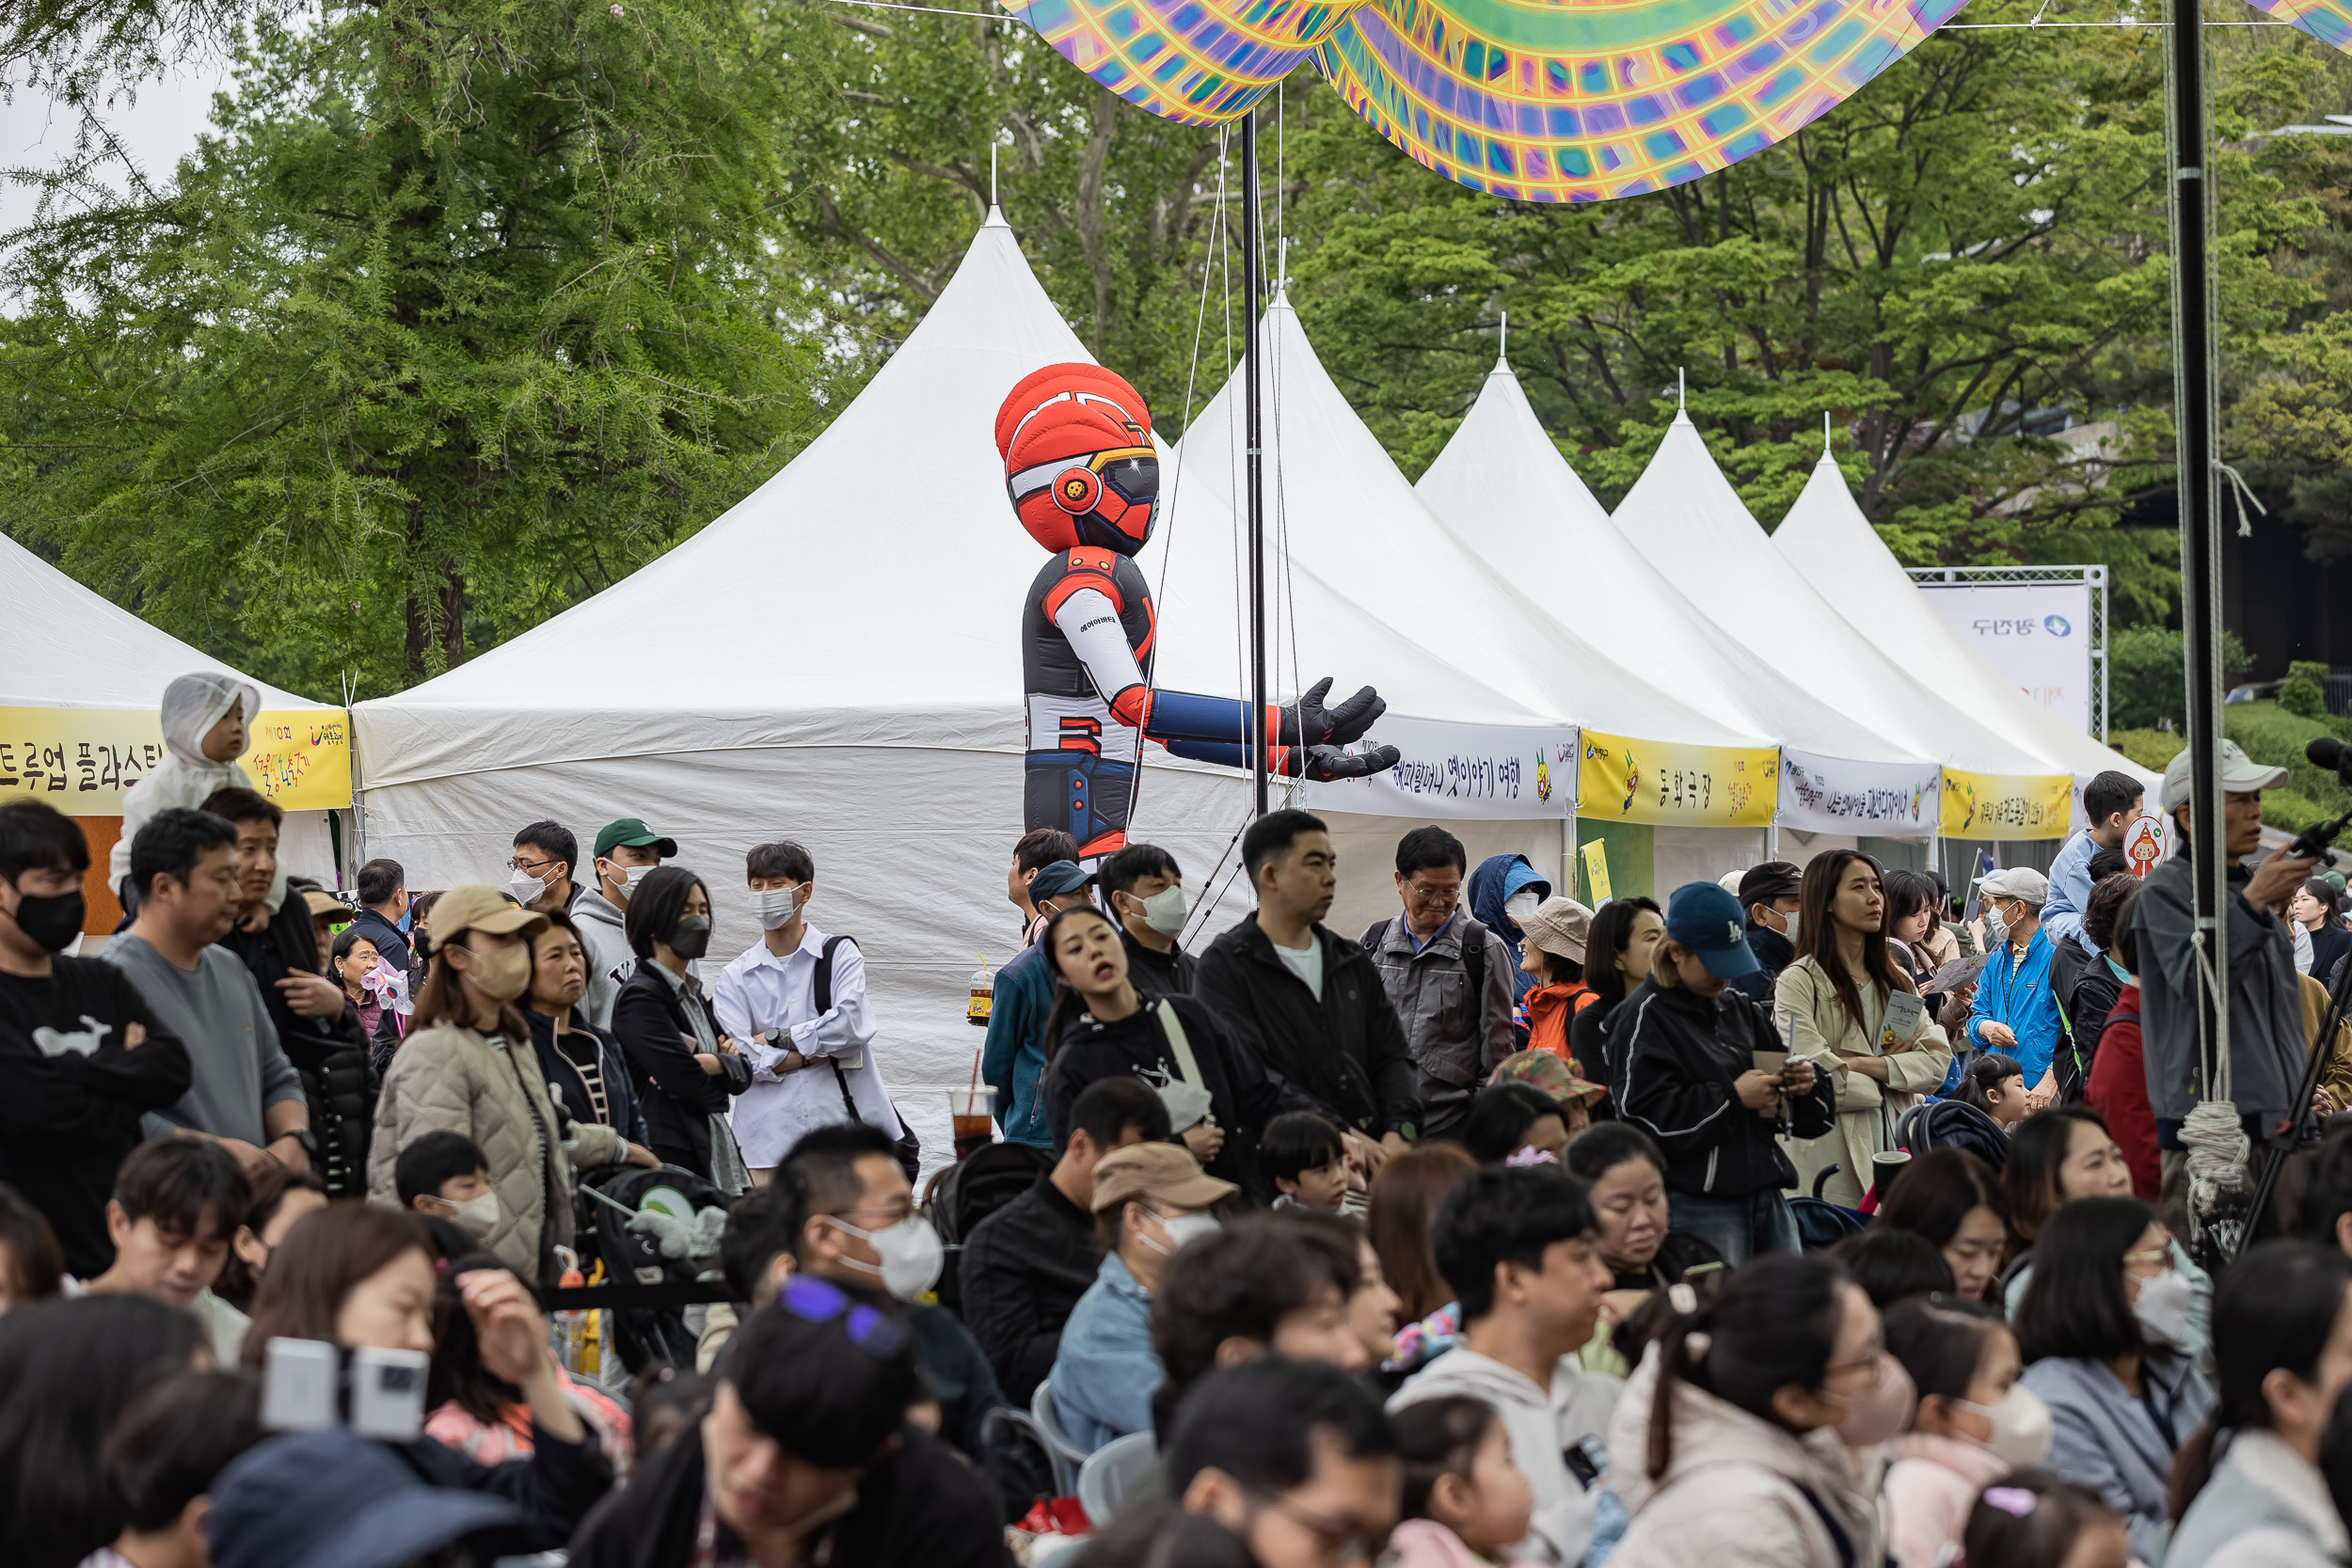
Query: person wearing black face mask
point(81, 1056)
point(683, 1068)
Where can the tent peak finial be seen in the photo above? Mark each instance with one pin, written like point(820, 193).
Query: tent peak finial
point(1824, 434)
point(1503, 344)
point(992, 171)
point(1682, 398)
point(995, 218)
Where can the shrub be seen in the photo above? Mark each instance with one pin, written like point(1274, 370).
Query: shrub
point(2304, 693)
point(2147, 683)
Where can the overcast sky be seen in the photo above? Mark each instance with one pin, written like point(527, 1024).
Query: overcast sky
point(156, 130)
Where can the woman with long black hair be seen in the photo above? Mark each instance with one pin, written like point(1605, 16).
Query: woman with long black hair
point(1218, 1096)
point(2248, 1489)
point(684, 1070)
point(1617, 951)
point(1832, 1005)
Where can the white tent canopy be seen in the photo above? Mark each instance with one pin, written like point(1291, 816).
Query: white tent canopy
point(1828, 540)
point(1684, 517)
point(837, 660)
point(1334, 500)
point(94, 654)
point(1502, 485)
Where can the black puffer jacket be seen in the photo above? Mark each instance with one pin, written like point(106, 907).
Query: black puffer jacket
point(1677, 1054)
point(1346, 1053)
point(330, 1054)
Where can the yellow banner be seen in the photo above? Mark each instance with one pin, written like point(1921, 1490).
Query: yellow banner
point(1694, 786)
point(1597, 872)
point(2006, 805)
point(83, 760)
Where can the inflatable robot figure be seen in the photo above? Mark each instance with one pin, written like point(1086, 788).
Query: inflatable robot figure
point(1079, 465)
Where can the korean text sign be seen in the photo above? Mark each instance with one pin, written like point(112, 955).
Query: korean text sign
point(84, 760)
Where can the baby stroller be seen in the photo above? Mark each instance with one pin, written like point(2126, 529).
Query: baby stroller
point(1820, 1224)
point(654, 1226)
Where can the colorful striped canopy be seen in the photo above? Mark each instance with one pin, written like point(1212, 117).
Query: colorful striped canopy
point(1538, 100)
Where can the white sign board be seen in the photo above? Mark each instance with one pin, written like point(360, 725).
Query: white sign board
point(2038, 634)
point(1460, 771)
point(1831, 795)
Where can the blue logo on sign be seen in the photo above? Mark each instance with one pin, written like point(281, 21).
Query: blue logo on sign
point(2056, 626)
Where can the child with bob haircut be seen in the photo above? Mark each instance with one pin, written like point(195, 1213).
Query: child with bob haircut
point(1464, 1501)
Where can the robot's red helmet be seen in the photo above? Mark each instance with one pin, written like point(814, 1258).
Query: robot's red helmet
point(1079, 464)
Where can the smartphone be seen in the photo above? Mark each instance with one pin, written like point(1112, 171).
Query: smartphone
point(1776, 1063)
point(388, 1393)
point(1704, 1280)
point(301, 1379)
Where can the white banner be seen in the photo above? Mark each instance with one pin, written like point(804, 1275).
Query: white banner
point(2038, 634)
point(1831, 795)
point(1496, 773)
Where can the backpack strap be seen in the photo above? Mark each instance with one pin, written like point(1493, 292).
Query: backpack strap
point(1375, 934)
point(1178, 1046)
point(822, 998)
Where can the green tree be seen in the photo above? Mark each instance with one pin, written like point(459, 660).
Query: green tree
point(461, 313)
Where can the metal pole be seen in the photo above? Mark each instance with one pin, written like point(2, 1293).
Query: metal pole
point(2194, 418)
point(1253, 456)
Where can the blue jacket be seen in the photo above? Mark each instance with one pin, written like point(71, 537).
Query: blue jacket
point(2070, 888)
point(2016, 991)
point(2107, 1442)
point(1012, 1057)
point(1106, 1372)
point(1491, 885)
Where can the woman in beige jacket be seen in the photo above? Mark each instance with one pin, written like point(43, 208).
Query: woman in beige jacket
point(1830, 1005)
point(1752, 1432)
point(467, 1067)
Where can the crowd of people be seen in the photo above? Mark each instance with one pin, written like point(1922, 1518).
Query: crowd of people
point(1797, 1220)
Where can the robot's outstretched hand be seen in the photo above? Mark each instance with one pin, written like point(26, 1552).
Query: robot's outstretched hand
point(1325, 763)
point(1343, 725)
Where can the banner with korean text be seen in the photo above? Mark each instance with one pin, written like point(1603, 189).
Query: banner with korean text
point(1625, 779)
point(2038, 634)
point(1492, 771)
point(84, 760)
point(1832, 795)
point(2006, 805)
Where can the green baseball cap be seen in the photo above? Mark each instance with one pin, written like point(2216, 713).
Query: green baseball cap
point(631, 832)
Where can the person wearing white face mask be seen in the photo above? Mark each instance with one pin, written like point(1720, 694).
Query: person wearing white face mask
point(1149, 1199)
point(1768, 896)
point(1974, 1424)
point(539, 873)
point(853, 1221)
point(467, 1067)
point(2098, 1328)
point(625, 852)
point(1146, 893)
point(796, 999)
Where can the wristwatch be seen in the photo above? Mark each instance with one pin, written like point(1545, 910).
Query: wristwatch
point(304, 1136)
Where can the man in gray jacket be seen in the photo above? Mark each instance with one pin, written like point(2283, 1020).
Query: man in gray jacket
point(2267, 1050)
point(626, 850)
point(1448, 976)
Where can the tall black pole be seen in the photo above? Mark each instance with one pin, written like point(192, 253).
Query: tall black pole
point(1253, 455)
point(2194, 418)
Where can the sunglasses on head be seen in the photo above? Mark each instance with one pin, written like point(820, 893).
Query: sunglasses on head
point(816, 1301)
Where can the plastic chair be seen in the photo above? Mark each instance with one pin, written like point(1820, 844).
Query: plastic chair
point(1066, 1455)
point(1111, 1472)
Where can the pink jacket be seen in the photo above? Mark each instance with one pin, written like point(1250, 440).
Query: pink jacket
point(1426, 1544)
point(1929, 1489)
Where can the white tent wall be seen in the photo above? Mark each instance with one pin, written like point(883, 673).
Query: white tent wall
point(1828, 540)
point(1681, 855)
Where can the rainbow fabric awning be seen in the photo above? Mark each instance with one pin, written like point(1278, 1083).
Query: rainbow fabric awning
point(1564, 100)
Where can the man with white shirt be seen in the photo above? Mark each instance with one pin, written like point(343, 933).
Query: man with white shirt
point(811, 1067)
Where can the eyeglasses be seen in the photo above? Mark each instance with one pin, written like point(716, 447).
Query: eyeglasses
point(531, 869)
point(815, 1301)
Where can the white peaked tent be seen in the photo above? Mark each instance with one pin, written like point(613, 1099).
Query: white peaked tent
point(1686, 519)
point(91, 652)
point(1828, 540)
point(837, 660)
point(1502, 486)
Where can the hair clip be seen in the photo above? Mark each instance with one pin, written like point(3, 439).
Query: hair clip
point(1697, 1343)
point(2018, 1502)
point(440, 1268)
point(1526, 1159)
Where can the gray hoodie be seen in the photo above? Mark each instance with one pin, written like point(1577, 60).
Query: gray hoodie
point(610, 960)
point(1542, 1427)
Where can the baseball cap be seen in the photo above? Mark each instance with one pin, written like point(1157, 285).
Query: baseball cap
point(2017, 882)
point(327, 904)
point(1056, 878)
point(1559, 926)
point(2239, 774)
point(1548, 1073)
point(1765, 882)
point(478, 907)
point(330, 1498)
point(1165, 1173)
point(631, 832)
point(1710, 923)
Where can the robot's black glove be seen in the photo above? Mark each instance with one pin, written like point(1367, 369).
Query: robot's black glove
point(1325, 763)
point(1316, 725)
